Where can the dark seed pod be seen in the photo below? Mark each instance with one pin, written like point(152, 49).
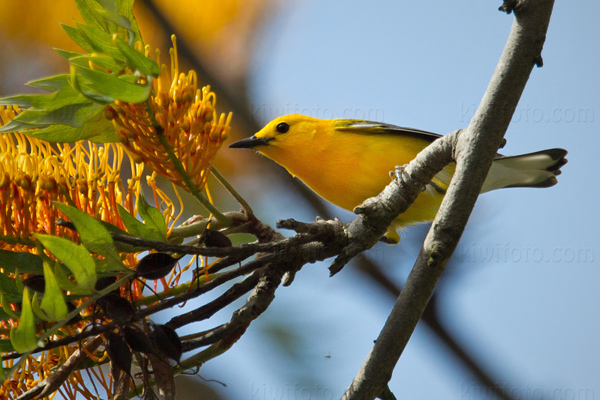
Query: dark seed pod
point(117, 308)
point(216, 239)
point(155, 265)
point(118, 352)
point(167, 341)
point(104, 282)
point(65, 224)
point(137, 339)
point(36, 282)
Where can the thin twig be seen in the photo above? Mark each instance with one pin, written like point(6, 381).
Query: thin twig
point(232, 191)
point(53, 382)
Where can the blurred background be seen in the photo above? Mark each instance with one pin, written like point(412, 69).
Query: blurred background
point(517, 313)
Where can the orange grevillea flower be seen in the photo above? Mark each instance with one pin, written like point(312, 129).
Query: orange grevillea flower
point(181, 117)
point(34, 174)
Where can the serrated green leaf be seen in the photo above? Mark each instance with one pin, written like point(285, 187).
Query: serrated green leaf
point(75, 256)
point(53, 302)
point(25, 262)
point(76, 36)
point(136, 228)
point(93, 235)
point(23, 337)
point(8, 287)
point(153, 218)
point(114, 86)
point(138, 61)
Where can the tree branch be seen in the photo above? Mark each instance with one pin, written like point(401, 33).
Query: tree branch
point(475, 151)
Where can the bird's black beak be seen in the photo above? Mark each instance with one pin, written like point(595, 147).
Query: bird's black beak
point(250, 143)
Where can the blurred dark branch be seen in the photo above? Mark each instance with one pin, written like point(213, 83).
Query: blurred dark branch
point(475, 151)
point(226, 92)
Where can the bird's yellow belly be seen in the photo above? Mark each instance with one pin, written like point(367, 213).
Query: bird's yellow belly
point(348, 181)
point(349, 194)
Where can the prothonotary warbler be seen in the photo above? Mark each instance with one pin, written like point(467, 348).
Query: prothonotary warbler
point(346, 161)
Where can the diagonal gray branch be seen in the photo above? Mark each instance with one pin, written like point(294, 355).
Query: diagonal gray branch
point(475, 151)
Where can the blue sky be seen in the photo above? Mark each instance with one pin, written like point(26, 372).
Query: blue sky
point(521, 292)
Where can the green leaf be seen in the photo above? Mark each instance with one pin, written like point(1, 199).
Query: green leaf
point(67, 96)
point(22, 100)
point(74, 114)
point(96, 129)
point(136, 228)
point(9, 289)
point(75, 256)
point(101, 42)
point(53, 83)
point(111, 13)
point(37, 310)
point(19, 281)
point(25, 262)
point(23, 336)
point(77, 37)
point(93, 235)
point(15, 126)
point(126, 10)
point(68, 55)
point(89, 11)
point(53, 303)
point(153, 218)
point(6, 307)
point(138, 61)
point(106, 62)
point(114, 86)
point(65, 283)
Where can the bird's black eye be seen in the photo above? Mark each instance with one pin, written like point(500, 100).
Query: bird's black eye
point(283, 127)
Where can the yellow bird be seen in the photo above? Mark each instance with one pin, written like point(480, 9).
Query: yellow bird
point(346, 161)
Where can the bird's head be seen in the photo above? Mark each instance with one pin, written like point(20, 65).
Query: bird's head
point(282, 137)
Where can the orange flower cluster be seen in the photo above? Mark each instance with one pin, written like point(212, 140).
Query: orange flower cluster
point(34, 174)
point(182, 118)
